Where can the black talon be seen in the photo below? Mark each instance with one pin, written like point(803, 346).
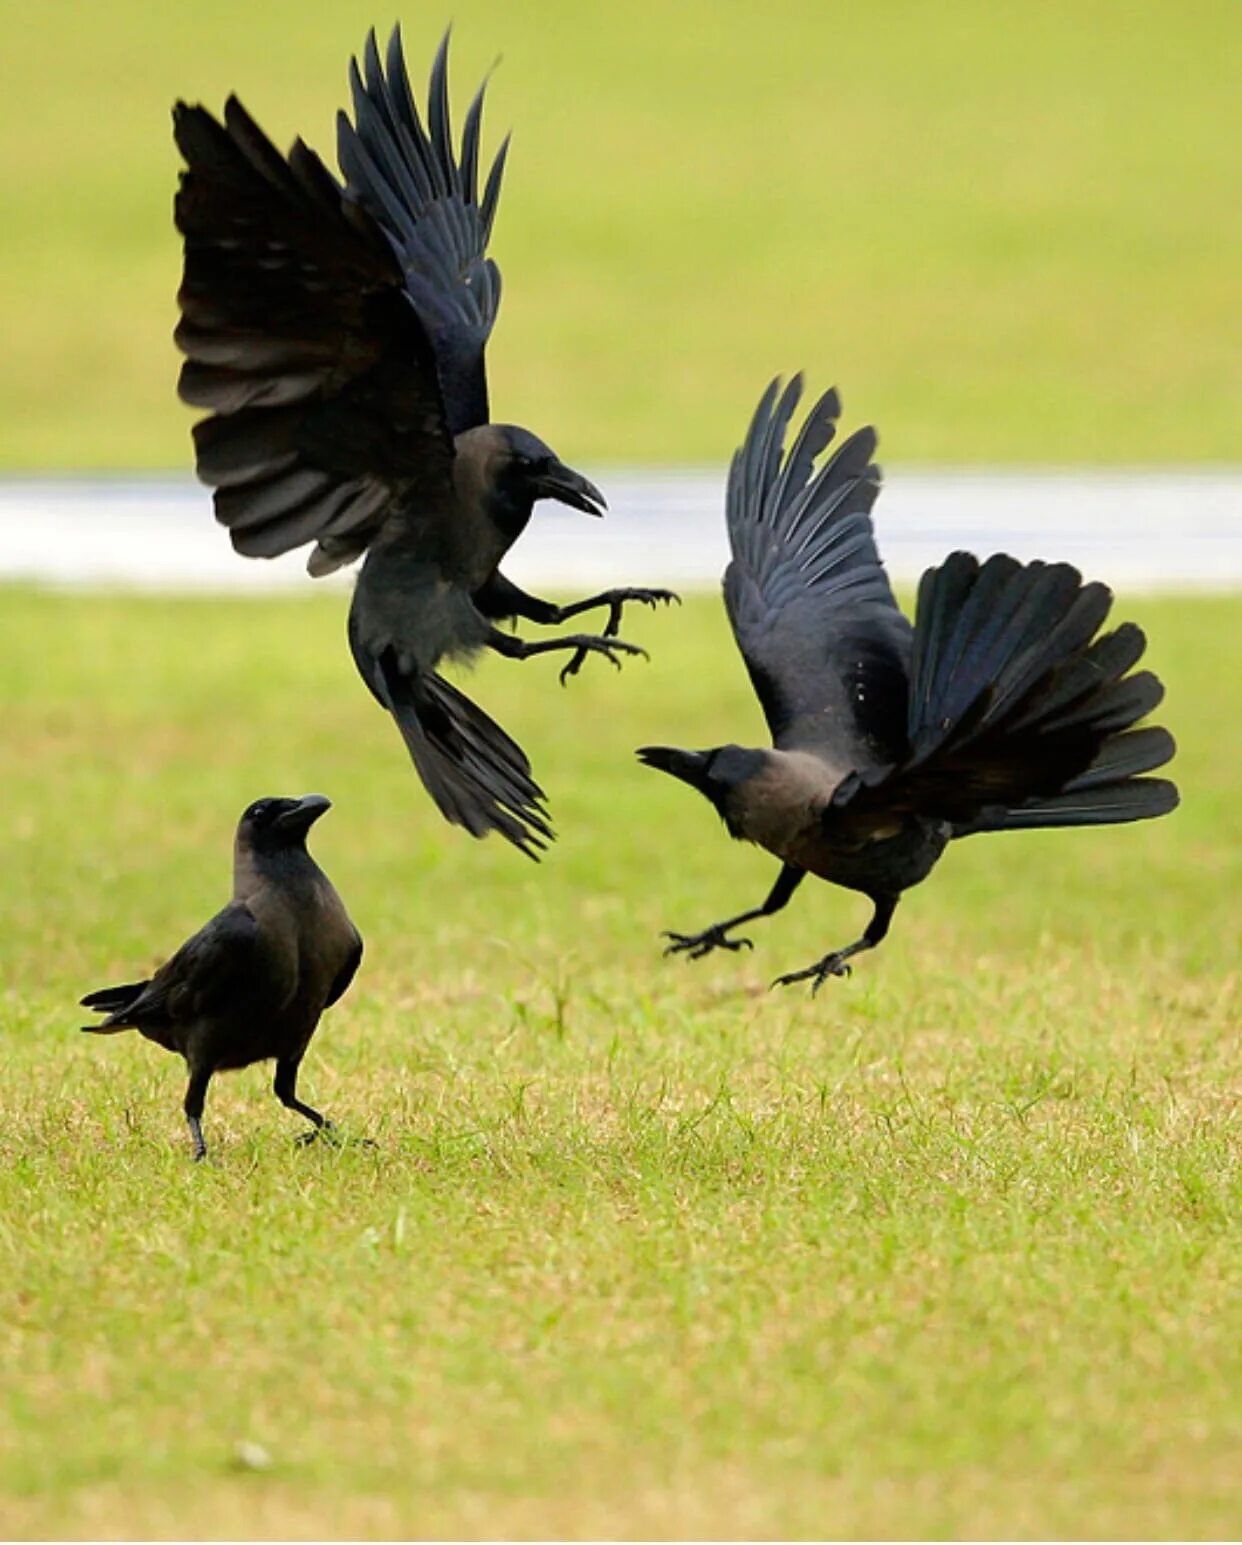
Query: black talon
point(615, 600)
point(329, 1133)
point(818, 974)
point(696, 945)
point(606, 644)
point(325, 1132)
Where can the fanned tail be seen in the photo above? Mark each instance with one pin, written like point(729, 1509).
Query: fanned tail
point(1141, 799)
point(1020, 715)
point(1111, 791)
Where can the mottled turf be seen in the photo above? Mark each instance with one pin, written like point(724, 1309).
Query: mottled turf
point(1010, 231)
point(641, 1249)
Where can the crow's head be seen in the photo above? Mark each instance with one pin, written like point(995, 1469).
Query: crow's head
point(513, 468)
point(717, 774)
point(275, 825)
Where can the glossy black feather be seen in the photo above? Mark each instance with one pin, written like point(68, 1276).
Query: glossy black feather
point(1015, 703)
point(298, 333)
point(209, 976)
point(1134, 799)
point(806, 592)
point(425, 195)
point(478, 776)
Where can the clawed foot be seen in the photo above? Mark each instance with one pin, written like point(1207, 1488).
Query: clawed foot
point(696, 945)
point(330, 1134)
point(618, 598)
point(616, 601)
point(326, 1133)
point(818, 974)
point(590, 643)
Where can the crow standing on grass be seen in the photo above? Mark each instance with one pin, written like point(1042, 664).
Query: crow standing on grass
point(337, 336)
point(253, 982)
point(1003, 708)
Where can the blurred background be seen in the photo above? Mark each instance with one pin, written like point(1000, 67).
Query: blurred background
point(1010, 232)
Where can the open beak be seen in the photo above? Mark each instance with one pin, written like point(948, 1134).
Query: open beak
point(570, 487)
point(303, 815)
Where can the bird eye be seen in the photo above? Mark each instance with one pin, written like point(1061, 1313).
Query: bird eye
point(259, 811)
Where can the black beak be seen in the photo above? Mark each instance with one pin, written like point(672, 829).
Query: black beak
point(689, 766)
point(570, 487)
point(302, 815)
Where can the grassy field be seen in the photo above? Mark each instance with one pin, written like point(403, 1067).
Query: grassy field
point(641, 1248)
point(1010, 231)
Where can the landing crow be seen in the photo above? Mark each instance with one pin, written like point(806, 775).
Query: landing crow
point(337, 336)
point(253, 982)
point(1003, 708)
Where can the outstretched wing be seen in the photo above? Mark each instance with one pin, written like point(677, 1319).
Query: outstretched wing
point(299, 336)
point(827, 649)
point(428, 201)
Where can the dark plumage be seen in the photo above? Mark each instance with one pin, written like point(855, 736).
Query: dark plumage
point(337, 337)
point(254, 981)
point(1003, 708)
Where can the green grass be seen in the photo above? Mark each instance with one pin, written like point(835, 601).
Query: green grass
point(641, 1249)
point(1009, 231)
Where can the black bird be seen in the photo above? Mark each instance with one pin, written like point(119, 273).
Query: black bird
point(337, 336)
point(254, 981)
point(1003, 708)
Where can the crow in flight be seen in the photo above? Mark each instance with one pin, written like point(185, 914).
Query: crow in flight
point(337, 337)
point(252, 983)
point(1003, 708)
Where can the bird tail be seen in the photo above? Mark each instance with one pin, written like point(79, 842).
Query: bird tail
point(1110, 792)
point(479, 777)
point(116, 1003)
point(1019, 712)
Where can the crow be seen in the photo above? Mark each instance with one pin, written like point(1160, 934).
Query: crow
point(252, 983)
point(1003, 708)
point(337, 335)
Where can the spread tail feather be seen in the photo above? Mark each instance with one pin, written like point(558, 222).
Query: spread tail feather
point(986, 635)
point(1111, 790)
point(1137, 799)
point(478, 776)
point(1019, 714)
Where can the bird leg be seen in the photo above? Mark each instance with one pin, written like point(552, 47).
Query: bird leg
point(514, 648)
point(614, 600)
point(499, 597)
point(195, 1097)
point(696, 945)
point(285, 1084)
point(836, 962)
